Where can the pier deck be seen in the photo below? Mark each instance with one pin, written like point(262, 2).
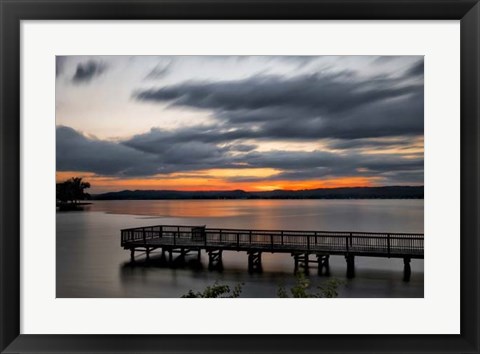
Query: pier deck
point(301, 244)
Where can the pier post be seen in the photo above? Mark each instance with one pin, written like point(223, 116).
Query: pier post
point(406, 269)
point(180, 260)
point(163, 258)
point(301, 260)
point(147, 252)
point(199, 255)
point(254, 262)
point(323, 264)
point(132, 255)
point(350, 266)
point(215, 260)
point(182, 256)
point(306, 265)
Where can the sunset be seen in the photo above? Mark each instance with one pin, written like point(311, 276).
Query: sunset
point(214, 180)
point(225, 176)
point(239, 123)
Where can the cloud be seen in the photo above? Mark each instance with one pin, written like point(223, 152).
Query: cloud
point(159, 71)
point(351, 114)
point(60, 64)
point(76, 152)
point(158, 140)
point(302, 160)
point(317, 165)
point(198, 147)
point(416, 69)
point(242, 147)
point(86, 71)
point(404, 177)
point(177, 154)
point(376, 143)
point(306, 107)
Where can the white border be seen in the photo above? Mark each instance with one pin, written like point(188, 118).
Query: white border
point(438, 312)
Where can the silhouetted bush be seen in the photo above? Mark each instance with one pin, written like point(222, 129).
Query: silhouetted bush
point(72, 191)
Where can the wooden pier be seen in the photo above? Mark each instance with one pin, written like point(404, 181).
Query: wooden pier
point(302, 245)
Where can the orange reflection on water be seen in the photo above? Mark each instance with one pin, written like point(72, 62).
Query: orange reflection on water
point(188, 208)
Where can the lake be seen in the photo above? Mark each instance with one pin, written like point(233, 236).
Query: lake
point(90, 262)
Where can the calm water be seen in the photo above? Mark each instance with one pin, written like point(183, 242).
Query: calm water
point(91, 263)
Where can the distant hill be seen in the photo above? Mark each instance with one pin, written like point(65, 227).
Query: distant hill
point(388, 192)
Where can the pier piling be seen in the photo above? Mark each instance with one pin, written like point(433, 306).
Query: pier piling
point(301, 261)
point(254, 262)
point(406, 269)
point(323, 264)
point(215, 260)
point(350, 266)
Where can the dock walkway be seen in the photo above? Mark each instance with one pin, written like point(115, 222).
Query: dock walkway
point(300, 244)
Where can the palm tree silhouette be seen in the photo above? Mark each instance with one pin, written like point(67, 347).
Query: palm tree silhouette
point(72, 190)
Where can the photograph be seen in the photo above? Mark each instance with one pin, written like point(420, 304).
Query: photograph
point(212, 176)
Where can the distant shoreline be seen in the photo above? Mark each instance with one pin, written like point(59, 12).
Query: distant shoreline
point(386, 192)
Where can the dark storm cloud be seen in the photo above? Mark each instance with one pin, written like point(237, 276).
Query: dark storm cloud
point(293, 160)
point(86, 71)
point(404, 177)
point(414, 177)
point(300, 160)
point(242, 147)
point(372, 144)
point(194, 154)
point(299, 175)
point(162, 152)
point(318, 165)
point(416, 69)
point(315, 94)
point(157, 140)
point(306, 107)
point(75, 152)
point(295, 164)
point(186, 149)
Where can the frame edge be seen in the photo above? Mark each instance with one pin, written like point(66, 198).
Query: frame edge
point(10, 193)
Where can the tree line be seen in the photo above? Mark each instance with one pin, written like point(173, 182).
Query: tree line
point(71, 191)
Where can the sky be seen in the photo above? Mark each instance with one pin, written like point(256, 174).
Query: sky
point(255, 123)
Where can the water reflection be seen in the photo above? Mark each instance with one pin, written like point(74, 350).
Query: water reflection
point(91, 263)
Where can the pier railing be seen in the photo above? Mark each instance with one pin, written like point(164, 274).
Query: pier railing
point(368, 243)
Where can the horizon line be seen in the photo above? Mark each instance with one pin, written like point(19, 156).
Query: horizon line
point(264, 191)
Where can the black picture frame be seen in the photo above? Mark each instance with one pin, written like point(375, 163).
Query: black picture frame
point(14, 11)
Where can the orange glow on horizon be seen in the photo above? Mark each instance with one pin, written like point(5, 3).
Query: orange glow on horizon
point(314, 184)
point(206, 182)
